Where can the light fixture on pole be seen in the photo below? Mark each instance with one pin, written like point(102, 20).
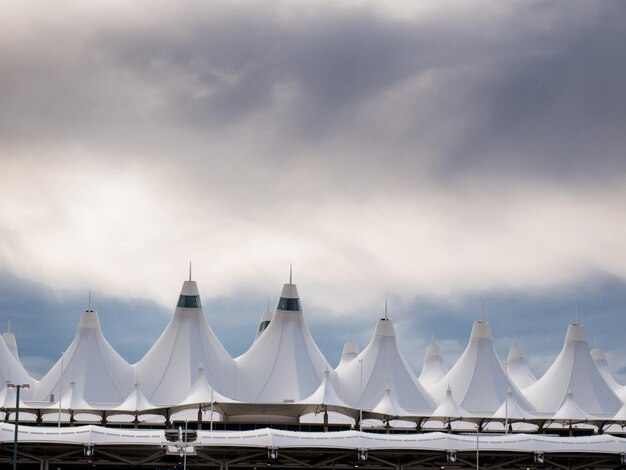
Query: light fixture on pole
point(89, 449)
point(17, 388)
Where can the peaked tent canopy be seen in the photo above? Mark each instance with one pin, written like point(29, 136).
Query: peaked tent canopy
point(135, 401)
point(434, 367)
point(11, 342)
point(449, 409)
point(574, 372)
point(12, 370)
point(478, 380)
point(265, 321)
point(99, 373)
point(72, 399)
point(389, 408)
point(599, 358)
point(169, 368)
point(380, 365)
point(349, 352)
point(512, 410)
point(284, 364)
point(570, 411)
point(517, 368)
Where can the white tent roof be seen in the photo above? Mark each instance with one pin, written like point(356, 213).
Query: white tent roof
point(598, 356)
point(264, 322)
point(284, 364)
point(478, 380)
point(169, 368)
point(517, 368)
point(388, 406)
point(573, 371)
point(100, 374)
point(202, 392)
point(380, 365)
point(11, 369)
point(349, 352)
point(11, 342)
point(136, 401)
point(512, 410)
point(449, 408)
point(434, 367)
point(621, 414)
point(570, 410)
point(326, 394)
point(72, 399)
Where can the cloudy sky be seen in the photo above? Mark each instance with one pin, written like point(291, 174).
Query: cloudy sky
point(436, 154)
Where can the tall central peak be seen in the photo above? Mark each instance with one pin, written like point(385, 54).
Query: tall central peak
point(168, 369)
point(284, 363)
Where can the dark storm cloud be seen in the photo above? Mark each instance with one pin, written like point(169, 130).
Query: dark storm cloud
point(530, 86)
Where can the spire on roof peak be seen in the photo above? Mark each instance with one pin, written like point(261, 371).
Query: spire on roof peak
point(386, 316)
point(190, 270)
point(482, 311)
point(9, 327)
point(290, 273)
point(577, 316)
point(89, 301)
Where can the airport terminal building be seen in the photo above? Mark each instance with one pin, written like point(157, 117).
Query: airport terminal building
point(188, 403)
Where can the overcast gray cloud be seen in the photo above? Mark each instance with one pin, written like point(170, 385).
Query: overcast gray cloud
point(433, 153)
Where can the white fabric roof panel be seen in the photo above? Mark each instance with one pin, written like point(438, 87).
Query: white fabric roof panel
point(599, 358)
point(12, 370)
point(449, 408)
point(434, 367)
point(478, 379)
point(349, 352)
point(517, 368)
point(100, 374)
point(378, 366)
point(284, 364)
point(169, 368)
point(574, 372)
point(266, 438)
point(512, 410)
point(285, 361)
point(388, 406)
point(11, 342)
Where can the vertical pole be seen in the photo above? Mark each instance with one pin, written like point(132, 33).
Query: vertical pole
point(17, 420)
point(61, 388)
point(212, 408)
point(361, 397)
point(506, 400)
point(185, 449)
